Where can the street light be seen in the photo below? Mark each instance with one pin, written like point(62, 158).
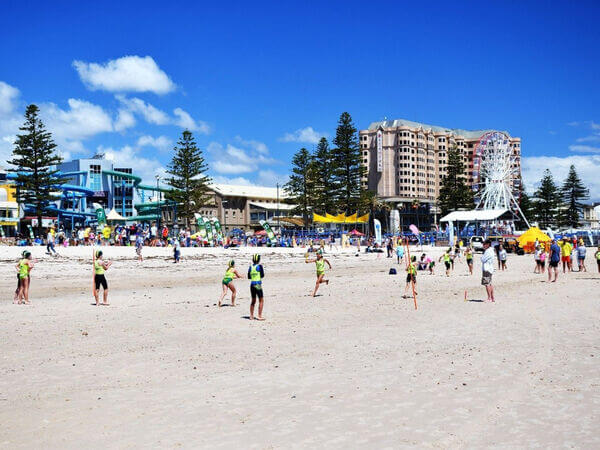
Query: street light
point(224, 202)
point(278, 223)
point(158, 204)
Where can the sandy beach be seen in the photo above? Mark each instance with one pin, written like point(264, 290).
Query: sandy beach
point(357, 367)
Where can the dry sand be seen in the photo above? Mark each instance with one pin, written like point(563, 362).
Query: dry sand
point(357, 367)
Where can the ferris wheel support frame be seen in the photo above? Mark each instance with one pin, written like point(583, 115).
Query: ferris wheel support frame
point(493, 162)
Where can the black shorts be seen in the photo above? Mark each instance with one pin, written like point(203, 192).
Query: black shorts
point(411, 277)
point(542, 263)
point(256, 291)
point(100, 280)
point(553, 264)
point(447, 263)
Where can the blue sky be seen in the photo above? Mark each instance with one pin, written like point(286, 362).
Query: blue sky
point(255, 82)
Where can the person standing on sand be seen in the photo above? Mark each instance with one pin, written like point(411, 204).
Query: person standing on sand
point(469, 258)
point(597, 255)
point(256, 273)
point(411, 275)
point(100, 267)
point(554, 259)
point(502, 257)
point(230, 274)
point(566, 250)
point(581, 251)
point(447, 261)
point(320, 265)
point(487, 267)
point(399, 252)
point(24, 266)
point(139, 245)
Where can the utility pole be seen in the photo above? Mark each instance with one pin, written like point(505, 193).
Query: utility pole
point(278, 222)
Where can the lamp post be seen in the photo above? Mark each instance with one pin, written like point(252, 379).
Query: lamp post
point(158, 205)
point(224, 202)
point(278, 222)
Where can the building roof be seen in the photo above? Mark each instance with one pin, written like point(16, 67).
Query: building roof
point(474, 215)
point(469, 134)
point(273, 206)
point(252, 192)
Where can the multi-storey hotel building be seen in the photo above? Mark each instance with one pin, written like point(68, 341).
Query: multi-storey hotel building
point(407, 161)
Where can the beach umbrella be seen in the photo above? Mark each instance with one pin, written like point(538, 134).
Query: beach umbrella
point(527, 239)
point(355, 232)
point(260, 233)
point(115, 216)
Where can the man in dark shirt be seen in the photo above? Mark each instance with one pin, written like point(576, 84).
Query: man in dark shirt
point(554, 260)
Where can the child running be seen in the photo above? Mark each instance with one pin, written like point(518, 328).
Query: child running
point(255, 274)
point(320, 264)
point(411, 275)
point(230, 274)
point(469, 258)
point(24, 266)
point(100, 267)
point(447, 261)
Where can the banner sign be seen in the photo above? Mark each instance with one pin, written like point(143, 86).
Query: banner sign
point(209, 232)
point(30, 232)
point(268, 229)
point(379, 151)
point(217, 226)
point(201, 226)
point(100, 214)
point(377, 225)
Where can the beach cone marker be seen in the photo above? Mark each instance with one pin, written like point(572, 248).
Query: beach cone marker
point(465, 296)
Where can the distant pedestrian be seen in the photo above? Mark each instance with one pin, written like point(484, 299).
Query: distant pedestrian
point(487, 268)
point(554, 259)
point(581, 251)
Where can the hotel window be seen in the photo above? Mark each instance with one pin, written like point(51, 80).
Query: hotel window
point(95, 178)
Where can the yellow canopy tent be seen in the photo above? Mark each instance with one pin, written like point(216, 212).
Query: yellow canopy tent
point(363, 219)
point(340, 218)
point(352, 218)
point(330, 218)
point(321, 219)
point(527, 239)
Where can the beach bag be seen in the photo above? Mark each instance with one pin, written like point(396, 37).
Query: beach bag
point(392, 271)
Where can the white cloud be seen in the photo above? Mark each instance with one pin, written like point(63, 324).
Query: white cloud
point(584, 149)
point(185, 121)
point(269, 177)
point(219, 179)
point(573, 124)
point(233, 160)
point(150, 113)
point(594, 125)
point(260, 147)
point(126, 74)
point(10, 120)
point(587, 166)
point(125, 119)
point(304, 135)
point(591, 138)
point(127, 156)
point(82, 120)
point(162, 143)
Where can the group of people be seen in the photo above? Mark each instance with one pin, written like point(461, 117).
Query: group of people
point(570, 252)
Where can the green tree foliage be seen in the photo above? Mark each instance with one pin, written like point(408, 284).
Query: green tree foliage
point(300, 187)
point(325, 183)
point(188, 177)
point(348, 169)
point(546, 202)
point(573, 193)
point(34, 159)
point(454, 192)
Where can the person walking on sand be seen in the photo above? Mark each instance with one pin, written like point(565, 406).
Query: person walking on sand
point(542, 261)
point(320, 265)
point(399, 252)
point(469, 258)
point(487, 268)
point(566, 250)
point(554, 259)
point(581, 251)
point(50, 250)
point(255, 274)
point(100, 267)
point(230, 274)
point(411, 275)
point(176, 250)
point(502, 257)
point(24, 266)
point(597, 255)
point(139, 245)
point(446, 257)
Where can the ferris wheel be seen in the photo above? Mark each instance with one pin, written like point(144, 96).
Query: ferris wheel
point(495, 174)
